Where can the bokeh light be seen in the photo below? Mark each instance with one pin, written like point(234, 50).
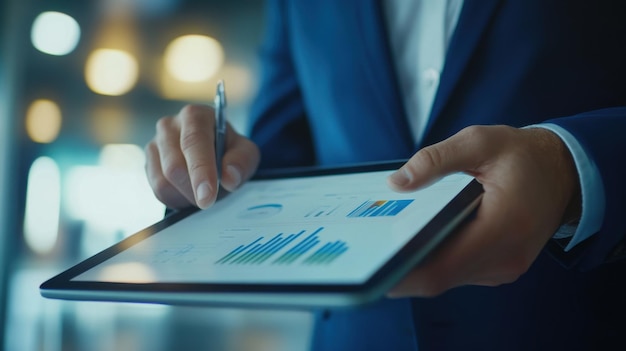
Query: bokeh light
point(43, 203)
point(132, 272)
point(111, 72)
point(122, 157)
point(193, 58)
point(112, 198)
point(43, 121)
point(55, 33)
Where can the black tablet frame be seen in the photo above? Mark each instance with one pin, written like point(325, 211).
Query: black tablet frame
point(64, 282)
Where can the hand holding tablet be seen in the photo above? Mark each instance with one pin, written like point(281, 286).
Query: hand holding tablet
point(330, 237)
point(310, 237)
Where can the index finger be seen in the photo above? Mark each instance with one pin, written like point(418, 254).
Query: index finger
point(198, 146)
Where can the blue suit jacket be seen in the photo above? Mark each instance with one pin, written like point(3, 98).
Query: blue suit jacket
point(329, 96)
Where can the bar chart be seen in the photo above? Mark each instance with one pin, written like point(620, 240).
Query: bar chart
point(327, 253)
point(380, 208)
point(273, 251)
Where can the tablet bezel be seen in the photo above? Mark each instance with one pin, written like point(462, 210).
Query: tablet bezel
point(288, 295)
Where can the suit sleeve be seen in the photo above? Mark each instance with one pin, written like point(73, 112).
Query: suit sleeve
point(602, 134)
point(278, 119)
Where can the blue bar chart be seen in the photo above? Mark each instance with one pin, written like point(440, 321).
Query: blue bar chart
point(380, 208)
point(327, 253)
point(260, 251)
point(257, 252)
point(300, 249)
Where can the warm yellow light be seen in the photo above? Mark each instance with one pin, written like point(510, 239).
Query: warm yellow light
point(43, 121)
point(193, 58)
point(240, 84)
point(55, 33)
point(111, 72)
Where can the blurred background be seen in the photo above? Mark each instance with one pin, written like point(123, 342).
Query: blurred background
point(82, 84)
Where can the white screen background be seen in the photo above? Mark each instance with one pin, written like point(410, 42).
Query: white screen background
point(312, 230)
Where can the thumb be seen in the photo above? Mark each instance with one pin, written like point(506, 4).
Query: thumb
point(462, 152)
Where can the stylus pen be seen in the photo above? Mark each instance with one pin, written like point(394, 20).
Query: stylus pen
point(220, 128)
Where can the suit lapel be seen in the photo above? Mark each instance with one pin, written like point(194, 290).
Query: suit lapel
point(380, 69)
point(472, 23)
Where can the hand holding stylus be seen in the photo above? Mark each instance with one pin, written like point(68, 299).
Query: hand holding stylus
point(183, 159)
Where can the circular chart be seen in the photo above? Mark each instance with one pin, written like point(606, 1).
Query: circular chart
point(260, 211)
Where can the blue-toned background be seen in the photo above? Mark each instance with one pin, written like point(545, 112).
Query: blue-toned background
point(82, 84)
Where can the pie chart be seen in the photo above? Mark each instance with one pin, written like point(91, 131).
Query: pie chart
point(260, 211)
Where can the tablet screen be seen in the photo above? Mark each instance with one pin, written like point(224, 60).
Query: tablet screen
point(332, 229)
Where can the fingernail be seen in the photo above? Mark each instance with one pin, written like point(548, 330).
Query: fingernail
point(400, 177)
point(202, 194)
point(234, 175)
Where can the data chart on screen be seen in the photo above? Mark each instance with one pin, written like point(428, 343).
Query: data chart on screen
point(324, 229)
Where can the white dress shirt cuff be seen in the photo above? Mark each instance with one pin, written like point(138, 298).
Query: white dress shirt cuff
point(592, 190)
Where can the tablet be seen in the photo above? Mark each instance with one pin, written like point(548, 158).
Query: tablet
point(305, 238)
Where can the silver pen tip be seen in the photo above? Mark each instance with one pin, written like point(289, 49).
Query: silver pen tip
point(221, 91)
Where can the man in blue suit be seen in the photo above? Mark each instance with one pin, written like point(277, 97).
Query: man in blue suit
point(524, 95)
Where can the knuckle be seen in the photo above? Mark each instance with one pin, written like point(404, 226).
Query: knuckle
point(191, 112)
point(197, 166)
point(150, 150)
point(194, 128)
point(476, 134)
point(429, 157)
point(474, 131)
point(163, 125)
point(191, 139)
point(479, 138)
point(486, 136)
